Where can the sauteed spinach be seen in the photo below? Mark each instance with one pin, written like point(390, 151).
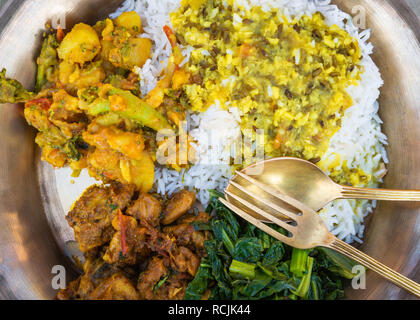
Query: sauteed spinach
point(245, 263)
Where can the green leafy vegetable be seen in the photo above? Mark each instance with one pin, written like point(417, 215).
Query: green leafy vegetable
point(304, 286)
point(338, 263)
point(242, 270)
point(219, 271)
point(298, 265)
point(198, 286)
point(245, 263)
point(248, 250)
point(224, 233)
point(274, 254)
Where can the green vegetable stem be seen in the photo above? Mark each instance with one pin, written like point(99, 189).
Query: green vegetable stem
point(245, 263)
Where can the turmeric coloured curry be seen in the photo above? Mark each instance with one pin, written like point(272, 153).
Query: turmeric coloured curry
point(288, 76)
point(88, 107)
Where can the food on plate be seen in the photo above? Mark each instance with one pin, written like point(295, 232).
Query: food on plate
point(287, 78)
point(245, 263)
point(164, 100)
point(130, 253)
point(87, 107)
point(300, 75)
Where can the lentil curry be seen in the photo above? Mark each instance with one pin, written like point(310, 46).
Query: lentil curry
point(288, 77)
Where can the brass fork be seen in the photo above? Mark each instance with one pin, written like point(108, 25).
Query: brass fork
point(308, 230)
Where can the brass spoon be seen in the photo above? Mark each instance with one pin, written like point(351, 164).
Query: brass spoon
point(305, 182)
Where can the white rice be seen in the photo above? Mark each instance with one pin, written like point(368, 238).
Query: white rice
point(360, 141)
point(214, 146)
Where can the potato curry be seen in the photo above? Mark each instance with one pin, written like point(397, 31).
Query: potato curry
point(88, 107)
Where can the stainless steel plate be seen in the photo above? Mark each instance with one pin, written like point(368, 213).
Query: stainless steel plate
point(32, 226)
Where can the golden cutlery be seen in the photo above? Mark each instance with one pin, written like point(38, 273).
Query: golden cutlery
point(304, 181)
point(307, 229)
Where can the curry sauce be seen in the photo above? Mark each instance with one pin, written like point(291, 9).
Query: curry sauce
point(287, 75)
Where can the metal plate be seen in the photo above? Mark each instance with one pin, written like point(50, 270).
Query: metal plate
point(32, 226)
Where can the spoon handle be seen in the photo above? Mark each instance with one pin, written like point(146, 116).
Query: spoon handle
point(379, 194)
point(372, 264)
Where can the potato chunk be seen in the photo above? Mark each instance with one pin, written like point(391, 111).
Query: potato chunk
point(129, 144)
point(131, 21)
point(134, 52)
point(80, 45)
point(140, 51)
point(73, 77)
point(143, 173)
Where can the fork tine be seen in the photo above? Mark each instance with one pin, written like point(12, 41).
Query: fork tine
point(270, 217)
point(257, 223)
point(268, 203)
point(285, 198)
